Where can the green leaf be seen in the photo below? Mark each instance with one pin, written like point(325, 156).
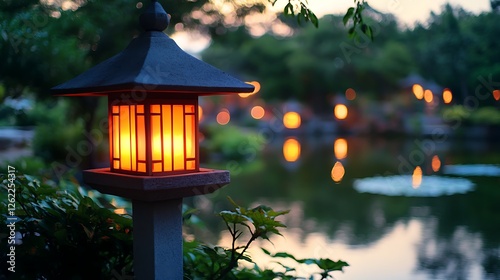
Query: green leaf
point(348, 15)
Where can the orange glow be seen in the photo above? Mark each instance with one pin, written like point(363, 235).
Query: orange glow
point(171, 141)
point(496, 94)
point(447, 96)
point(257, 112)
point(436, 163)
point(350, 94)
point(256, 90)
point(120, 211)
point(338, 172)
point(416, 177)
point(340, 111)
point(200, 113)
point(418, 91)
point(223, 117)
point(428, 96)
point(291, 150)
point(291, 120)
point(340, 148)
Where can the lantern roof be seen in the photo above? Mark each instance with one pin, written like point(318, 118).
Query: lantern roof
point(153, 62)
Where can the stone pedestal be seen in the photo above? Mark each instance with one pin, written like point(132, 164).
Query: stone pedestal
point(157, 214)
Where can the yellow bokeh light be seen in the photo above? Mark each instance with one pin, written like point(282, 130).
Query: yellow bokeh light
point(350, 94)
point(447, 96)
point(257, 112)
point(338, 172)
point(340, 148)
point(340, 111)
point(436, 163)
point(496, 94)
point(256, 86)
point(418, 91)
point(291, 149)
point(223, 117)
point(428, 96)
point(416, 177)
point(291, 120)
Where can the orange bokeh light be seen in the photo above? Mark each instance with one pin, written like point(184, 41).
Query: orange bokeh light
point(496, 94)
point(340, 148)
point(416, 177)
point(256, 89)
point(418, 91)
point(291, 149)
point(428, 96)
point(292, 120)
point(223, 117)
point(340, 111)
point(338, 172)
point(257, 112)
point(436, 163)
point(350, 94)
point(447, 96)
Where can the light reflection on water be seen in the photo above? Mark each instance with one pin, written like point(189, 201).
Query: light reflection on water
point(381, 237)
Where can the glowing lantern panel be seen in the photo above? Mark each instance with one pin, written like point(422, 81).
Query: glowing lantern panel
point(291, 120)
point(291, 150)
point(154, 139)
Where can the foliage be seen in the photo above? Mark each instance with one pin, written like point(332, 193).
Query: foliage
point(231, 142)
point(480, 116)
point(65, 235)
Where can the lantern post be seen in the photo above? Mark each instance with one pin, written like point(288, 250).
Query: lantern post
point(152, 88)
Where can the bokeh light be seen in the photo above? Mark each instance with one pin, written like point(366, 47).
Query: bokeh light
point(436, 163)
point(447, 96)
point(291, 120)
point(496, 94)
point(338, 172)
point(416, 178)
point(223, 117)
point(291, 149)
point(340, 111)
point(350, 94)
point(257, 112)
point(428, 96)
point(418, 91)
point(340, 148)
point(256, 90)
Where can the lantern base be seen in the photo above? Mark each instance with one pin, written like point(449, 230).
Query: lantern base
point(156, 188)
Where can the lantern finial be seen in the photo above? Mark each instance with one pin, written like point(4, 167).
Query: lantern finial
point(154, 18)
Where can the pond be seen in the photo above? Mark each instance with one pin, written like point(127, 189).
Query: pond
point(401, 236)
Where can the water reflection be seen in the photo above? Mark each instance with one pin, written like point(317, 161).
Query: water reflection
point(340, 148)
point(436, 163)
point(338, 172)
point(291, 149)
point(416, 178)
point(382, 237)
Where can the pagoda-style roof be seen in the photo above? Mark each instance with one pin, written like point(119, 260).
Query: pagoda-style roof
point(153, 62)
